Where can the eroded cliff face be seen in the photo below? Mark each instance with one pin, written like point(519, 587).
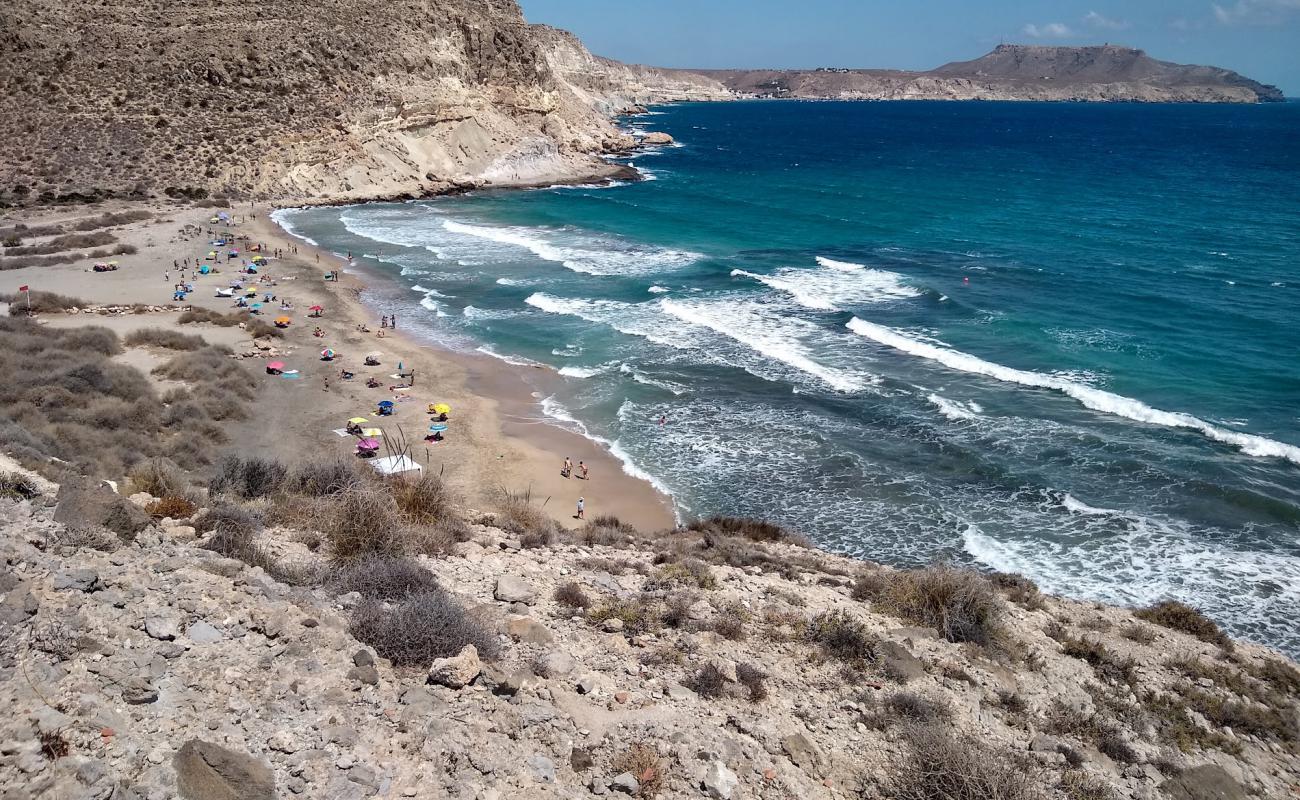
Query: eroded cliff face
point(612, 86)
point(294, 100)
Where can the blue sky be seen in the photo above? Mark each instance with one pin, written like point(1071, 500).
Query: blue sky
point(1258, 38)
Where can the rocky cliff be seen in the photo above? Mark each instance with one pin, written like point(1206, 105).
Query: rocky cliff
point(724, 661)
point(1016, 72)
point(613, 86)
point(286, 99)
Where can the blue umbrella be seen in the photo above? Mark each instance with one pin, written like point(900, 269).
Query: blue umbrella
point(385, 403)
point(437, 427)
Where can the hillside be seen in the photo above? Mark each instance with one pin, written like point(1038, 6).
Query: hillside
point(293, 100)
point(1016, 72)
point(229, 653)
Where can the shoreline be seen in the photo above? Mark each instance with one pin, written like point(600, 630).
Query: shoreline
point(515, 407)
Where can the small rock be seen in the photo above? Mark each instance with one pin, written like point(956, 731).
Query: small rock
point(206, 771)
point(626, 783)
point(163, 626)
point(139, 691)
point(802, 752)
point(620, 697)
point(581, 759)
point(719, 782)
point(700, 610)
point(543, 768)
point(612, 625)
point(284, 742)
point(458, 671)
point(1042, 743)
point(555, 664)
point(510, 589)
point(363, 658)
point(587, 684)
point(203, 633)
point(366, 674)
point(80, 580)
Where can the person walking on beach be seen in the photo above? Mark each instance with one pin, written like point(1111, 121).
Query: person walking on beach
point(582, 508)
point(582, 470)
point(567, 469)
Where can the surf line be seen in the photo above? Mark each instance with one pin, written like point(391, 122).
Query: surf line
point(1095, 399)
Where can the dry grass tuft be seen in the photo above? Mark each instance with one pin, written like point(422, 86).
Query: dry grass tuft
point(166, 339)
point(754, 680)
point(15, 486)
point(385, 578)
point(943, 764)
point(571, 595)
point(1182, 617)
point(708, 682)
point(645, 764)
point(960, 604)
point(842, 636)
point(174, 506)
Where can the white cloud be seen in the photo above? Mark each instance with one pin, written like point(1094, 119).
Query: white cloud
point(1102, 21)
point(1255, 12)
point(1050, 30)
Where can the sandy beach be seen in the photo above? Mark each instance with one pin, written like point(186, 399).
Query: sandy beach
point(498, 441)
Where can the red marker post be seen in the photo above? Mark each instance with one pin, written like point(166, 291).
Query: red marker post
point(27, 290)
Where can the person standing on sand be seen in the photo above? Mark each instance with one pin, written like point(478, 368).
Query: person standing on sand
point(392, 322)
point(582, 508)
point(567, 469)
point(583, 469)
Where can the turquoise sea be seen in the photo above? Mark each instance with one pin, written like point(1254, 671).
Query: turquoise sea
point(1056, 339)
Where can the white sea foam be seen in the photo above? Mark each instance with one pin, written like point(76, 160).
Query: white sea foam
point(831, 288)
point(282, 217)
point(581, 372)
point(630, 318)
point(658, 289)
point(953, 409)
point(518, 361)
point(512, 282)
point(556, 411)
point(590, 254)
point(640, 377)
point(775, 337)
point(1076, 506)
point(842, 266)
point(434, 306)
point(1095, 399)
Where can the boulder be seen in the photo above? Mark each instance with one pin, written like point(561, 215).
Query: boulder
point(626, 783)
point(458, 671)
point(78, 580)
point(656, 137)
point(897, 662)
point(203, 633)
point(205, 771)
point(164, 626)
point(555, 664)
point(803, 752)
point(82, 502)
point(529, 631)
point(510, 589)
point(542, 768)
point(1206, 782)
point(719, 782)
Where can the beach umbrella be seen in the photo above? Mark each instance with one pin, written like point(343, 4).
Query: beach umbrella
point(275, 365)
point(282, 320)
point(358, 420)
point(316, 308)
point(385, 403)
point(440, 408)
point(376, 355)
point(438, 427)
point(368, 444)
point(327, 353)
point(250, 291)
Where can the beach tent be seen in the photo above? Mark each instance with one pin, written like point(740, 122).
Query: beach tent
point(394, 465)
point(327, 355)
point(205, 269)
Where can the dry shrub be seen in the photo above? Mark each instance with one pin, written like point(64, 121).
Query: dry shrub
point(638, 616)
point(1136, 632)
point(754, 680)
point(1110, 666)
point(842, 636)
point(53, 745)
point(645, 764)
point(1182, 617)
point(229, 519)
point(755, 530)
point(166, 339)
point(1019, 589)
point(730, 621)
point(606, 529)
point(159, 477)
point(16, 486)
point(960, 604)
point(249, 478)
point(902, 708)
point(529, 522)
point(41, 302)
point(234, 531)
point(174, 506)
point(423, 501)
point(364, 520)
point(708, 682)
point(322, 478)
point(1012, 702)
point(111, 218)
point(1077, 784)
point(944, 764)
point(571, 595)
point(256, 328)
point(420, 628)
point(688, 572)
point(385, 578)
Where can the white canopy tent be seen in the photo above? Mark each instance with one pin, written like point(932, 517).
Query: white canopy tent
point(393, 465)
